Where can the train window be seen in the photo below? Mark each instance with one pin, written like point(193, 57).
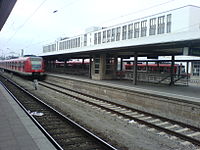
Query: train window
point(161, 25)
point(130, 31)
point(136, 29)
point(118, 33)
point(104, 37)
point(196, 68)
point(124, 32)
point(113, 35)
point(36, 63)
point(169, 22)
point(99, 37)
point(152, 29)
point(143, 28)
point(108, 35)
point(95, 38)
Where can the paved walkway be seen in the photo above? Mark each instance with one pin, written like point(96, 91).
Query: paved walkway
point(17, 131)
point(190, 93)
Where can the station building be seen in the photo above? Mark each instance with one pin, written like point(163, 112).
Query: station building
point(171, 33)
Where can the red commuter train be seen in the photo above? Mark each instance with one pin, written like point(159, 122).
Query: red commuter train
point(28, 65)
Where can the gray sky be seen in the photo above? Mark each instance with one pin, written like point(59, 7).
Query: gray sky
point(34, 23)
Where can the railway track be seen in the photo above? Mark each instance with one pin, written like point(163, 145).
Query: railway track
point(63, 132)
point(162, 126)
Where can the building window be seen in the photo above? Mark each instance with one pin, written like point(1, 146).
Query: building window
point(136, 29)
point(79, 42)
point(99, 37)
point(104, 37)
point(85, 39)
point(130, 31)
point(118, 33)
point(68, 44)
point(95, 38)
point(108, 35)
point(124, 32)
point(75, 43)
point(169, 23)
point(72, 40)
point(60, 46)
point(152, 28)
point(113, 35)
point(161, 25)
point(143, 28)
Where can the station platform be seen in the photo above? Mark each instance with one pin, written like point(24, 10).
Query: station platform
point(17, 131)
point(190, 93)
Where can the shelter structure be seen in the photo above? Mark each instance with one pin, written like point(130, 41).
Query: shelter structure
point(170, 33)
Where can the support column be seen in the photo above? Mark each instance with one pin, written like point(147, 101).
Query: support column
point(82, 65)
point(104, 67)
point(172, 71)
point(121, 68)
point(121, 64)
point(135, 69)
point(65, 64)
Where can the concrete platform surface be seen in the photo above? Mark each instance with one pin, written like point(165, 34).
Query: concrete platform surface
point(17, 131)
point(183, 92)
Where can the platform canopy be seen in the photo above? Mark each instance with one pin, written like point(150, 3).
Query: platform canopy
point(185, 47)
point(6, 7)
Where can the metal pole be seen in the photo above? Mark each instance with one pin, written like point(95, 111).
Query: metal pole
point(187, 71)
point(172, 71)
point(135, 69)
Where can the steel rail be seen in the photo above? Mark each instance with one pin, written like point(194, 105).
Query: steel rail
point(49, 137)
point(181, 136)
point(107, 145)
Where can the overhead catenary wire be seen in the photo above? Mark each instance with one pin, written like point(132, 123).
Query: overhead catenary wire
point(55, 11)
point(68, 4)
point(20, 27)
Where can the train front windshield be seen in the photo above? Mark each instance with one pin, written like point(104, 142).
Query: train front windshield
point(36, 63)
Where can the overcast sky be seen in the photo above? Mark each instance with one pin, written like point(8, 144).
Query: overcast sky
point(34, 23)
